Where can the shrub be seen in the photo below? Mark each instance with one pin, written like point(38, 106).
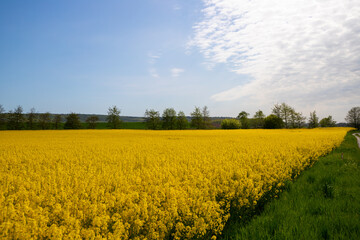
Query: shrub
point(230, 124)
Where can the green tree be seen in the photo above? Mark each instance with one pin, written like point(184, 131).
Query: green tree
point(259, 119)
point(230, 124)
point(243, 118)
point(92, 121)
point(327, 122)
point(57, 121)
point(313, 120)
point(297, 120)
point(31, 119)
point(181, 121)
point(353, 117)
point(72, 121)
point(273, 122)
point(169, 119)
point(2, 117)
point(16, 119)
point(45, 121)
point(283, 111)
point(206, 117)
point(197, 119)
point(290, 117)
point(113, 118)
point(152, 119)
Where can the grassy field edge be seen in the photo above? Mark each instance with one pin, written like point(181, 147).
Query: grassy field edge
point(323, 202)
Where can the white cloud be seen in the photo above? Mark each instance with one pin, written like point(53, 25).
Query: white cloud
point(153, 72)
point(153, 57)
point(306, 51)
point(177, 7)
point(175, 72)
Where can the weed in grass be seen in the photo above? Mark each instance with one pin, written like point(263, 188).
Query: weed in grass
point(310, 179)
point(325, 234)
point(327, 186)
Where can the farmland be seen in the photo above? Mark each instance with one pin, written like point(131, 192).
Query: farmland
point(136, 184)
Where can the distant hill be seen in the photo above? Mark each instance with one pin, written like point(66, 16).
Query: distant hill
point(102, 118)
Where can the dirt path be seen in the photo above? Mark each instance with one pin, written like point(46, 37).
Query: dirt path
point(357, 135)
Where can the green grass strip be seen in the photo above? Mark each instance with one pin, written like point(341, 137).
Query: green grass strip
point(323, 202)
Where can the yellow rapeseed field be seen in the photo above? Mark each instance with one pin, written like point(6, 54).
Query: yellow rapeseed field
point(137, 184)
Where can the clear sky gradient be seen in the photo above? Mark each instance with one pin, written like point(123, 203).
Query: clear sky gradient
point(85, 56)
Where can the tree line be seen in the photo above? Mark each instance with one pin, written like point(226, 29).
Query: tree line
point(282, 116)
point(18, 120)
point(170, 120)
point(285, 116)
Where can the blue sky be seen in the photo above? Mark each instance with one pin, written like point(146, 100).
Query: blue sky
point(85, 56)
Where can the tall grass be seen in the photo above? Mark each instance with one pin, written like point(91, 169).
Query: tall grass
point(323, 203)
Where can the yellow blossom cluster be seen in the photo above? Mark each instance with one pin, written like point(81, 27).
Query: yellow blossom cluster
point(137, 184)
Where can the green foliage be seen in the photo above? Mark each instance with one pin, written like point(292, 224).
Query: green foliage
point(243, 117)
point(152, 119)
point(313, 120)
point(230, 124)
point(273, 122)
point(353, 117)
point(196, 118)
point(16, 119)
point(92, 121)
point(169, 119)
point(113, 117)
point(134, 125)
point(327, 122)
point(57, 121)
point(200, 118)
point(72, 121)
point(32, 119)
point(206, 117)
point(259, 119)
point(323, 203)
point(2, 118)
point(290, 117)
point(45, 121)
point(181, 121)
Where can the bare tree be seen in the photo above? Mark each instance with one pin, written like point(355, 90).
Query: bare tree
point(353, 117)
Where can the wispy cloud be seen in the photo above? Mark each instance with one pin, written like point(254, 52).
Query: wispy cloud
point(153, 57)
point(153, 72)
point(175, 72)
point(177, 7)
point(304, 50)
